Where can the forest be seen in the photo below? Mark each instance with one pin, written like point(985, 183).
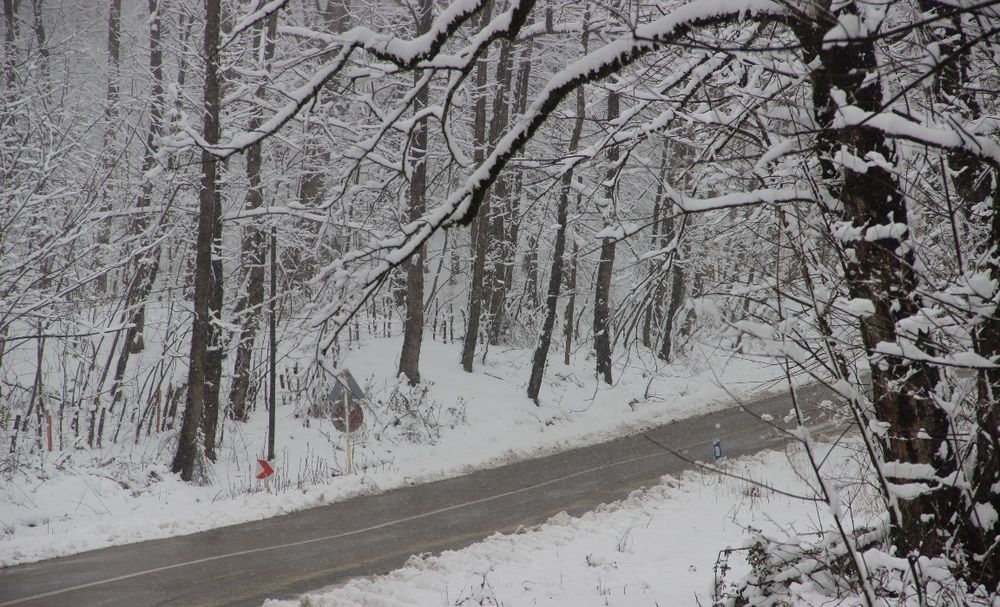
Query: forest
point(191, 189)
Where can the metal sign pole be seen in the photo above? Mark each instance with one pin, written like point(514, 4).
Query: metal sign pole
point(347, 431)
point(273, 362)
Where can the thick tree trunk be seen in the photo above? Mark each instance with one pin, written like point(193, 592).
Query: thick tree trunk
point(250, 306)
point(605, 267)
point(480, 224)
point(199, 405)
point(413, 327)
point(880, 269)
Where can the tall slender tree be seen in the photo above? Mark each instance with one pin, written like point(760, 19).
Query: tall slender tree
point(413, 327)
point(541, 355)
point(193, 441)
point(479, 232)
point(250, 305)
point(605, 267)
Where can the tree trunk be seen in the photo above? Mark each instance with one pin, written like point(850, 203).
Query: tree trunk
point(605, 267)
point(413, 327)
point(9, 43)
point(312, 186)
point(40, 38)
point(531, 271)
point(880, 269)
point(657, 242)
point(504, 219)
point(249, 308)
point(499, 216)
point(512, 230)
point(111, 112)
point(541, 355)
point(199, 393)
point(972, 183)
point(479, 228)
point(570, 310)
point(148, 261)
point(666, 349)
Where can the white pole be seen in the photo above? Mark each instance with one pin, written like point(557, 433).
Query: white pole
point(347, 428)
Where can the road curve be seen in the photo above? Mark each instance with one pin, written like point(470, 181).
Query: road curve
point(288, 555)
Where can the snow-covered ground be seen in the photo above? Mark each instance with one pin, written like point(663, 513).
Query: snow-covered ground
point(69, 501)
point(658, 548)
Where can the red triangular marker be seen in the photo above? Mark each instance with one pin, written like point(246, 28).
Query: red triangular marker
point(264, 469)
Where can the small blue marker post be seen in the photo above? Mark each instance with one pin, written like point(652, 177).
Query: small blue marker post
point(717, 449)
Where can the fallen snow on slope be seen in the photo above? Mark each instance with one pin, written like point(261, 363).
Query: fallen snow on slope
point(77, 499)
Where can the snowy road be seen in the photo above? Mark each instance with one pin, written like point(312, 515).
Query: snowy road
point(307, 550)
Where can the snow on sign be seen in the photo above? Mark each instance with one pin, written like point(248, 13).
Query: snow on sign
point(264, 469)
point(346, 391)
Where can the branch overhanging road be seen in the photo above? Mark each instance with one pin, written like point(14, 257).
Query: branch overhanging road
point(285, 556)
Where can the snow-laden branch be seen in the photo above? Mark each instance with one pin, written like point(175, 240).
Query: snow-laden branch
point(909, 351)
point(954, 137)
point(251, 19)
point(462, 205)
point(689, 204)
point(407, 54)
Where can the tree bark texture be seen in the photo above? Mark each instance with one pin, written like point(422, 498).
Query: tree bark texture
point(147, 262)
point(250, 306)
point(974, 183)
point(479, 228)
point(676, 295)
point(9, 42)
point(541, 355)
point(413, 327)
point(111, 112)
point(879, 268)
point(189, 448)
point(570, 312)
point(605, 267)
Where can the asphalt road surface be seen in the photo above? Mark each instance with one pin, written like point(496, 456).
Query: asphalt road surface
point(285, 556)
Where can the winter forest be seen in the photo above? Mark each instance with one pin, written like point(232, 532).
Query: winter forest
point(206, 206)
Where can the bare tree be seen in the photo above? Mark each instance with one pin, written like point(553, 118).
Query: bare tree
point(413, 328)
point(541, 355)
point(479, 228)
point(605, 267)
point(193, 441)
point(253, 253)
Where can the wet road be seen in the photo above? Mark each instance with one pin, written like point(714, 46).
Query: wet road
point(285, 556)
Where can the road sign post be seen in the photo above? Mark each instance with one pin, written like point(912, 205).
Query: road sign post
point(348, 447)
point(348, 415)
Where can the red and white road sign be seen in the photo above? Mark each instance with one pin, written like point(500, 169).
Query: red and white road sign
point(264, 469)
